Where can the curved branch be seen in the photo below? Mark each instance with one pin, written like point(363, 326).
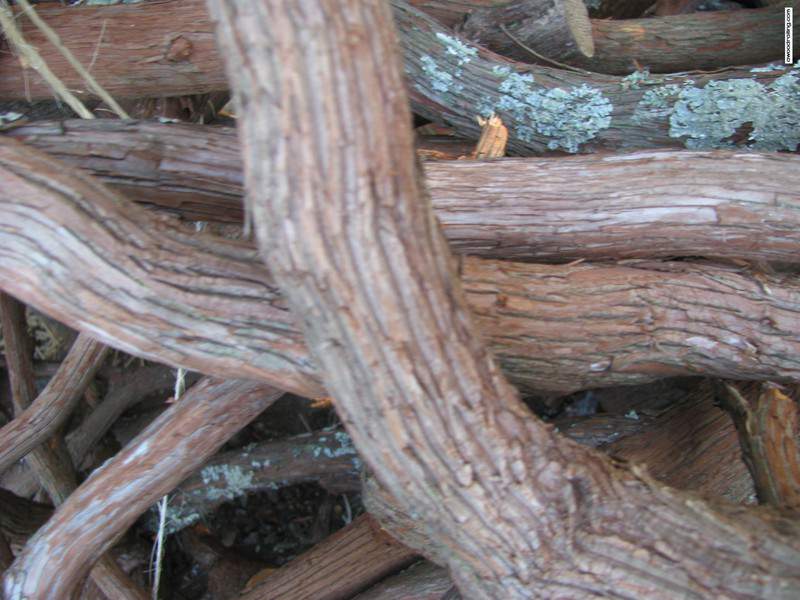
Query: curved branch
point(54, 405)
point(343, 223)
point(209, 305)
point(645, 204)
point(114, 496)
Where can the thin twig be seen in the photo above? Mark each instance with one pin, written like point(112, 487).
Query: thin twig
point(54, 39)
point(32, 58)
point(541, 57)
point(180, 387)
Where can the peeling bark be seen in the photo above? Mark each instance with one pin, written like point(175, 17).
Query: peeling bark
point(344, 224)
point(116, 494)
point(209, 305)
point(645, 204)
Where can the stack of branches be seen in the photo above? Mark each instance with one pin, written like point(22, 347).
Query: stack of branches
point(630, 268)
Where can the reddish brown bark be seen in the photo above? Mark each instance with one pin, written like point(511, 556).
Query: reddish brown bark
point(54, 405)
point(50, 462)
point(343, 564)
point(684, 42)
point(768, 423)
point(116, 494)
point(356, 249)
point(421, 581)
point(171, 298)
point(473, 88)
point(144, 49)
point(639, 205)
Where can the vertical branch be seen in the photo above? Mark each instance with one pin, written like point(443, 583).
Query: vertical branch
point(768, 423)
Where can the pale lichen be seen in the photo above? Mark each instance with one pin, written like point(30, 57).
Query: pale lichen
point(440, 80)
point(455, 47)
point(235, 481)
point(567, 118)
point(710, 116)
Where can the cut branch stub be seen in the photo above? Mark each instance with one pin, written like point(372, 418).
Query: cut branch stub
point(352, 241)
point(555, 29)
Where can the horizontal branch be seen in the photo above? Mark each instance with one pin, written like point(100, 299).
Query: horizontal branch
point(696, 41)
point(209, 305)
point(146, 49)
point(167, 49)
point(639, 205)
point(327, 458)
point(451, 81)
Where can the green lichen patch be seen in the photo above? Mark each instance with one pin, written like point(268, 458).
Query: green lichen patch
point(638, 78)
point(710, 116)
point(229, 482)
point(568, 118)
point(656, 103)
point(443, 74)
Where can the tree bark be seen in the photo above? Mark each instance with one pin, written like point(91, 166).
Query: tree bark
point(50, 462)
point(341, 565)
point(451, 82)
point(54, 405)
point(696, 41)
point(209, 305)
point(114, 496)
point(421, 581)
point(344, 224)
point(645, 204)
point(768, 424)
point(146, 49)
point(555, 29)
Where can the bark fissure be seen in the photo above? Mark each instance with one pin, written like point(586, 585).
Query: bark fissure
point(522, 511)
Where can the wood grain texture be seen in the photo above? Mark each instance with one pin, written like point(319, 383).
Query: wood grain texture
point(768, 423)
point(341, 565)
point(344, 224)
point(672, 44)
point(209, 304)
point(646, 204)
point(54, 405)
point(116, 494)
point(161, 48)
point(50, 462)
point(172, 53)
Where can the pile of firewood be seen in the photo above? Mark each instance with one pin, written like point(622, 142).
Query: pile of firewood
point(588, 401)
